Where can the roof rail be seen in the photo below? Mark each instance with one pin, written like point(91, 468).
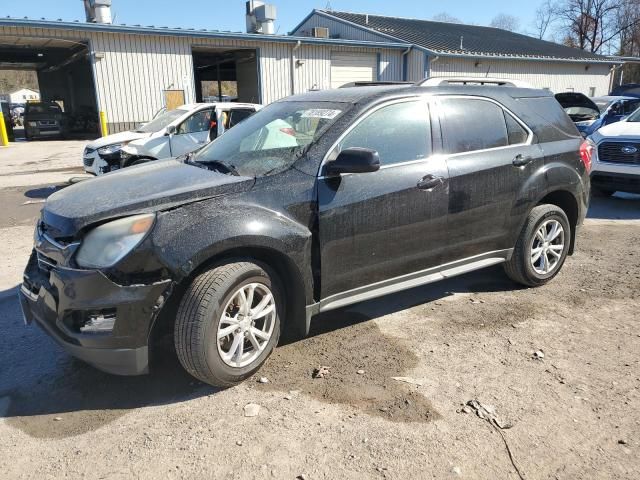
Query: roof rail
point(501, 82)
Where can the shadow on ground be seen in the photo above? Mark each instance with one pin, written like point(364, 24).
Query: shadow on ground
point(621, 206)
point(41, 385)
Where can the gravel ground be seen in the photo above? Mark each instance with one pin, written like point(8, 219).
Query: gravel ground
point(556, 368)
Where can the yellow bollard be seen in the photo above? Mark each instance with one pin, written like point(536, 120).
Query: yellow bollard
point(4, 138)
point(103, 124)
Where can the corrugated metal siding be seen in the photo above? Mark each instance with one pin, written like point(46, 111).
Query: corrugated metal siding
point(135, 69)
point(556, 76)
point(337, 30)
point(416, 66)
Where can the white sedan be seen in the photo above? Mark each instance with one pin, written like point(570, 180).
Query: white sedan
point(171, 134)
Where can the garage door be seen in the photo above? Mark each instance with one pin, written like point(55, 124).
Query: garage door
point(352, 67)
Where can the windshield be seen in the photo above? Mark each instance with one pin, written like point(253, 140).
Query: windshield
point(271, 140)
point(44, 108)
point(161, 121)
point(634, 117)
point(603, 104)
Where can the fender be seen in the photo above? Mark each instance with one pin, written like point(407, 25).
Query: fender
point(551, 177)
point(194, 235)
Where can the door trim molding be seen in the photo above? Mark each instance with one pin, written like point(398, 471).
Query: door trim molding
point(414, 279)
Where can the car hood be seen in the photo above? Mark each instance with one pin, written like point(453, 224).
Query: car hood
point(122, 137)
point(573, 99)
point(620, 129)
point(146, 188)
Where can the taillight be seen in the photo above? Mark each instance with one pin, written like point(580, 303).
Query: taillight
point(288, 131)
point(586, 153)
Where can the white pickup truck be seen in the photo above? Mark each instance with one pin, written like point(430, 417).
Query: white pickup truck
point(171, 134)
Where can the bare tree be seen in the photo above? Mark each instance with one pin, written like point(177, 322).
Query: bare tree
point(545, 15)
point(593, 25)
point(446, 18)
point(505, 22)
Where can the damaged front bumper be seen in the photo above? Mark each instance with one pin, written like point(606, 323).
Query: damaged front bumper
point(96, 320)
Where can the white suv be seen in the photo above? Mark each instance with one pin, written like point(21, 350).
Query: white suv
point(616, 159)
point(171, 134)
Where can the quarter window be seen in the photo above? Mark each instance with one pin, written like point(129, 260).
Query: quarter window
point(398, 132)
point(516, 132)
point(473, 124)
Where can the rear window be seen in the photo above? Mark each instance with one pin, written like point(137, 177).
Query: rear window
point(550, 120)
point(43, 108)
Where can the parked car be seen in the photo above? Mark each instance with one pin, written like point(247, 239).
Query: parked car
point(616, 157)
point(170, 134)
point(581, 109)
point(627, 90)
point(44, 120)
point(612, 110)
point(314, 203)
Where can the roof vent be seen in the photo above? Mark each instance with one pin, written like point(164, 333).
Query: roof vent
point(260, 17)
point(98, 11)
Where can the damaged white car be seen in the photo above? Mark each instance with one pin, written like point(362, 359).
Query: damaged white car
point(171, 134)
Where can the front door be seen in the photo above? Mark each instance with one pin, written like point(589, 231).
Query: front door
point(193, 133)
point(489, 157)
point(381, 225)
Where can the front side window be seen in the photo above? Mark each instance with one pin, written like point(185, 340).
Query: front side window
point(398, 132)
point(198, 122)
point(470, 124)
point(271, 140)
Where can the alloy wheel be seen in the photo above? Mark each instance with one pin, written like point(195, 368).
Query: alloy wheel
point(246, 325)
point(547, 247)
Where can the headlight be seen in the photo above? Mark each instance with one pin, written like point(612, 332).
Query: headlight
point(111, 149)
point(106, 245)
point(33, 124)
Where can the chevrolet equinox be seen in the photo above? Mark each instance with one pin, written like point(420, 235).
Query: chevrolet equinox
point(318, 201)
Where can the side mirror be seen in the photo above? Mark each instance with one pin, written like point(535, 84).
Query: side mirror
point(354, 160)
point(171, 130)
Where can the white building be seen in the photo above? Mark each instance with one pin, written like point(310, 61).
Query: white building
point(23, 95)
point(130, 72)
point(448, 49)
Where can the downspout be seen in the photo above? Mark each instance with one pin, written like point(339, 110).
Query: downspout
point(428, 62)
point(405, 62)
point(293, 67)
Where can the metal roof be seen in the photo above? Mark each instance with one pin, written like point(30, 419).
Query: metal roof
point(451, 39)
point(188, 32)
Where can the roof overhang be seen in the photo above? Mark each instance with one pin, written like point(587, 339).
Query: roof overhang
point(184, 32)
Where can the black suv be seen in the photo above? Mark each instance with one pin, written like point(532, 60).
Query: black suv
point(316, 202)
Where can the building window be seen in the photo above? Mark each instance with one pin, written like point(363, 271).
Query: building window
point(592, 91)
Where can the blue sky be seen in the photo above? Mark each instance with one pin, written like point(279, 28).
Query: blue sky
point(229, 14)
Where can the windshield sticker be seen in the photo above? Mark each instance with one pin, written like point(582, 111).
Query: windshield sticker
point(321, 113)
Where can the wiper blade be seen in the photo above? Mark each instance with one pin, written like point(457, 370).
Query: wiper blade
point(223, 167)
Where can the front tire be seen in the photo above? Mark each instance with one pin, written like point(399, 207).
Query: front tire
point(542, 247)
point(228, 323)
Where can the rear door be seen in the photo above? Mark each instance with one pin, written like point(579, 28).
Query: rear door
point(489, 155)
point(380, 225)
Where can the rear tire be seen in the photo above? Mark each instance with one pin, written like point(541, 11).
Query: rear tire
point(542, 247)
point(219, 339)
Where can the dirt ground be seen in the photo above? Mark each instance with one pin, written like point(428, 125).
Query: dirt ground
point(393, 404)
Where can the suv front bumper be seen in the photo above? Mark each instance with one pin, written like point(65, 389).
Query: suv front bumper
point(616, 182)
point(63, 301)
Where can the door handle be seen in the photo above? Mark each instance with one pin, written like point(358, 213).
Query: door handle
point(521, 160)
point(429, 182)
